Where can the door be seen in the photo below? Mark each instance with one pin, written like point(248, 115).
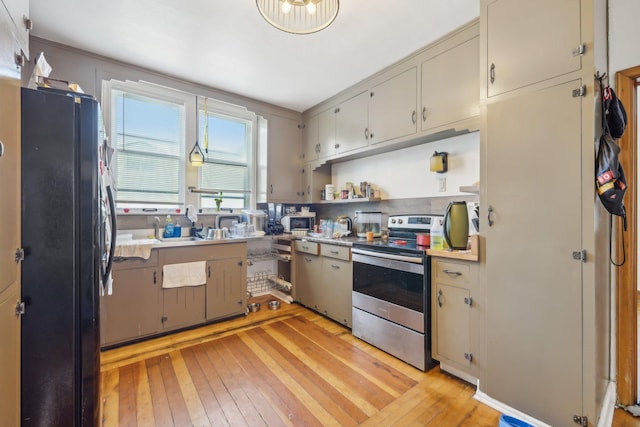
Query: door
point(533, 284)
point(10, 281)
point(528, 43)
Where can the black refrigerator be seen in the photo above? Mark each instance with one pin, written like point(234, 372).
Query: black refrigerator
point(66, 257)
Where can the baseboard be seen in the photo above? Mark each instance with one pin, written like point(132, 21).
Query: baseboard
point(608, 406)
point(506, 409)
point(604, 420)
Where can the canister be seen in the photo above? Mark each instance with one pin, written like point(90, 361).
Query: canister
point(328, 192)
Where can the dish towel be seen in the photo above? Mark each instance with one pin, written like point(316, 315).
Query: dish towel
point(184, 274)
point(139, 248)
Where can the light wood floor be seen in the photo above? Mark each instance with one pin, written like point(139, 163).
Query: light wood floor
point(289, 367)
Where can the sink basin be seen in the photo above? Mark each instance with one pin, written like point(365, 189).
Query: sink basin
point(179, 239)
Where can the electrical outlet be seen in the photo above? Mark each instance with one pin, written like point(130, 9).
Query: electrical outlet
point(442, 184)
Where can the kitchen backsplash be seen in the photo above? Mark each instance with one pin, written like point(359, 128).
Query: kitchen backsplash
point(425, 205)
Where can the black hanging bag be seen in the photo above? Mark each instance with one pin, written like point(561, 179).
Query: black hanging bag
point(610, 180)
point(615, 116)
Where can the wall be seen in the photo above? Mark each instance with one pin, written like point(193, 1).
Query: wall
point(405, 173)
point(624, 33)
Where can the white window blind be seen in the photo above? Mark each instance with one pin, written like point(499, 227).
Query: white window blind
point(228, 160)
point(150, 142)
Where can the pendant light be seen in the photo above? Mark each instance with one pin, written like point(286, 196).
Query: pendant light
point(196, 157)
point(299, 16)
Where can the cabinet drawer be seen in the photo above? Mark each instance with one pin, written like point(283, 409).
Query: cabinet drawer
point(335, 251)
point(307, 247)
point(127, 263)
point(455, 273)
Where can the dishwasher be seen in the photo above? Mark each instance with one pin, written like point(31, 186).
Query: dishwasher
point(269, 268)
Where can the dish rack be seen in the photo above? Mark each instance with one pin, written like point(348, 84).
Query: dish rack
point(267, 281)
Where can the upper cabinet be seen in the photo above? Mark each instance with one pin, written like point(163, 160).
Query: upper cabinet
point(393, 107)
point(451, 86)
point(520, 53)
point(19, 14)
point(438, 86)
point(283, 182)
point(352, 123)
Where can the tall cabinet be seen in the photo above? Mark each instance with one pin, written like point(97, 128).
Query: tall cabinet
point(13, 44)
point(542, 227)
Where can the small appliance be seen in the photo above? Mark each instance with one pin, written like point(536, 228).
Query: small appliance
point(299, 221)
point(274, 213)
point(456, 225)
point(368, 221)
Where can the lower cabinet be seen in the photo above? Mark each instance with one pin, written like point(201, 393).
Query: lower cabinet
point(324, 279)
point(140, 307)
point(453, 315)
point(226, 288)
point(133, 308)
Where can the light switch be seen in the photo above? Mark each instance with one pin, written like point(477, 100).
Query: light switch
point(442, 184)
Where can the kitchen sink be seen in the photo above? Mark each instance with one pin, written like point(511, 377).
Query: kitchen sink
point(179, 239)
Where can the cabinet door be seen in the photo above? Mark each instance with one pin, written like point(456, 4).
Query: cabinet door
point(226, 288)
point(534, 291)
point(335, 298)
point(310, 147)
point(10, 355)
point(393, 108)
point(183, 307)
point(308, 273)
point(326, 133)
point(133, 308)
point(452, 324)
point(18, 13)
point(450, 86)
point(530, 41)
point(284, 163)
point(352, 123)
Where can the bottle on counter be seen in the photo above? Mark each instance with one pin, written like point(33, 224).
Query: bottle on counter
point(177, 229)
point(436, 235)
point(168, 227)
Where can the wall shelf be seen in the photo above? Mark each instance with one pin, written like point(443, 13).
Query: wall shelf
point(470, 189)
point(356, 200)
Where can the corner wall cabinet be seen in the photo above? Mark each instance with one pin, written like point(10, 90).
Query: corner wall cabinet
point(283, 165)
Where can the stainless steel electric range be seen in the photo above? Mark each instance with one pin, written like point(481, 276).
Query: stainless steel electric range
point(392, 291)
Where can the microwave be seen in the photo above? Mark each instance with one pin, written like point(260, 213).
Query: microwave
point(299, 221)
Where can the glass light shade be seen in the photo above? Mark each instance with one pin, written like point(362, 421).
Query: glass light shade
point(299, 16)
point(196, 158)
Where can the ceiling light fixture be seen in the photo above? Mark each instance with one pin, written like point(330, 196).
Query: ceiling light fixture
point(196, 157)
point(299, 16)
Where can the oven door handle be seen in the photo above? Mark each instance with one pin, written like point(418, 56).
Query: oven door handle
point(404, 258)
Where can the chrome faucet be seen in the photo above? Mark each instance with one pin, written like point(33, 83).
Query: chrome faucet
point(156, 227)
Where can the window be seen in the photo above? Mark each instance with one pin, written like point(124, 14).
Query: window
point(226, 136)
point(153, 129)
point(148, 133)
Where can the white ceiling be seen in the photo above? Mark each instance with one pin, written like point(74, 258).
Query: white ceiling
point(226, 44)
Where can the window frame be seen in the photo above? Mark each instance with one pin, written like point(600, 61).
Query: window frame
point(190, 176)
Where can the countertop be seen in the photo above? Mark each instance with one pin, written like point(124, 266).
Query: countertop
point(448, 253)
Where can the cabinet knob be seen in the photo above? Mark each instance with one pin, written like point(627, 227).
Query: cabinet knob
point(492, 73)
point(413, 117)
point(439, 298)
point(28, 23)
point(424, 114)
point(366, 133)
point(19, 58)
point(1, 149)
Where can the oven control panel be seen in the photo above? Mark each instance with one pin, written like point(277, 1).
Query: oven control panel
point(413, 222)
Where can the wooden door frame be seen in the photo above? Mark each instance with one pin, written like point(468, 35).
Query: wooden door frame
point(627, 275)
